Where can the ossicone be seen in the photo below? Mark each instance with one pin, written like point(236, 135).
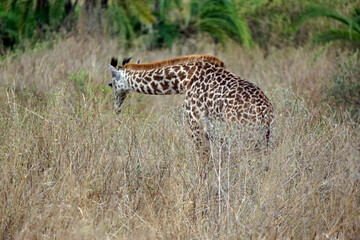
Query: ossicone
point(126, 60)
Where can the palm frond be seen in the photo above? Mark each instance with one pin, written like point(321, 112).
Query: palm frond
point(350, 33)
point(242, 31)
point(337, 34)
point(26, 9)
point(315, 11)
point(211, 16)
point(216, 28)
point(356, 23)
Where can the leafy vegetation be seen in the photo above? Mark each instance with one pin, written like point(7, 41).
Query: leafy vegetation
point(125, 19)
point(272, 22)
point(220, 20)
point(350, 30)
point(171, 21)
point(32, 19)
point(161, 23)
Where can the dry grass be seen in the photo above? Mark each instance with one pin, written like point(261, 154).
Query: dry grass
point(72, 169)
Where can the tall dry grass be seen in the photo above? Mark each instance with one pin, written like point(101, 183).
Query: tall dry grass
point(72, 169)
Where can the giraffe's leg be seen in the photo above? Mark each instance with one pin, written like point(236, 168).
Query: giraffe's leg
point(198, 135)
point(195, 118)
point(194, 122)
point(201, 142)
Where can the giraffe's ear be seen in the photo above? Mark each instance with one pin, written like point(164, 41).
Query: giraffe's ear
point(113, 70)
point(126, 60)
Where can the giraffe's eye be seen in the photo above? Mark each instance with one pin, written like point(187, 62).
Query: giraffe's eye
point(110, 84)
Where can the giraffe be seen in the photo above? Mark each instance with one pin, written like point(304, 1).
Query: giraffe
point(212, 93)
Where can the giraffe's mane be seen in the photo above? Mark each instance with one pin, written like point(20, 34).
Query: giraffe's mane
point(175, 61)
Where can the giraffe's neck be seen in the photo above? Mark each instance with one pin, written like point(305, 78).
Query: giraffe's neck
point(161, 81)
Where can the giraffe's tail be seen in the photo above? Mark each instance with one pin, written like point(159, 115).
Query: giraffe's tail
point(269, 128)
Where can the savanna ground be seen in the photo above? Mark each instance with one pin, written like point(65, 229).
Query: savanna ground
point(72, 169)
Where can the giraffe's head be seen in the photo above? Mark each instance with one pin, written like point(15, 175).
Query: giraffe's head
point(118, 83)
